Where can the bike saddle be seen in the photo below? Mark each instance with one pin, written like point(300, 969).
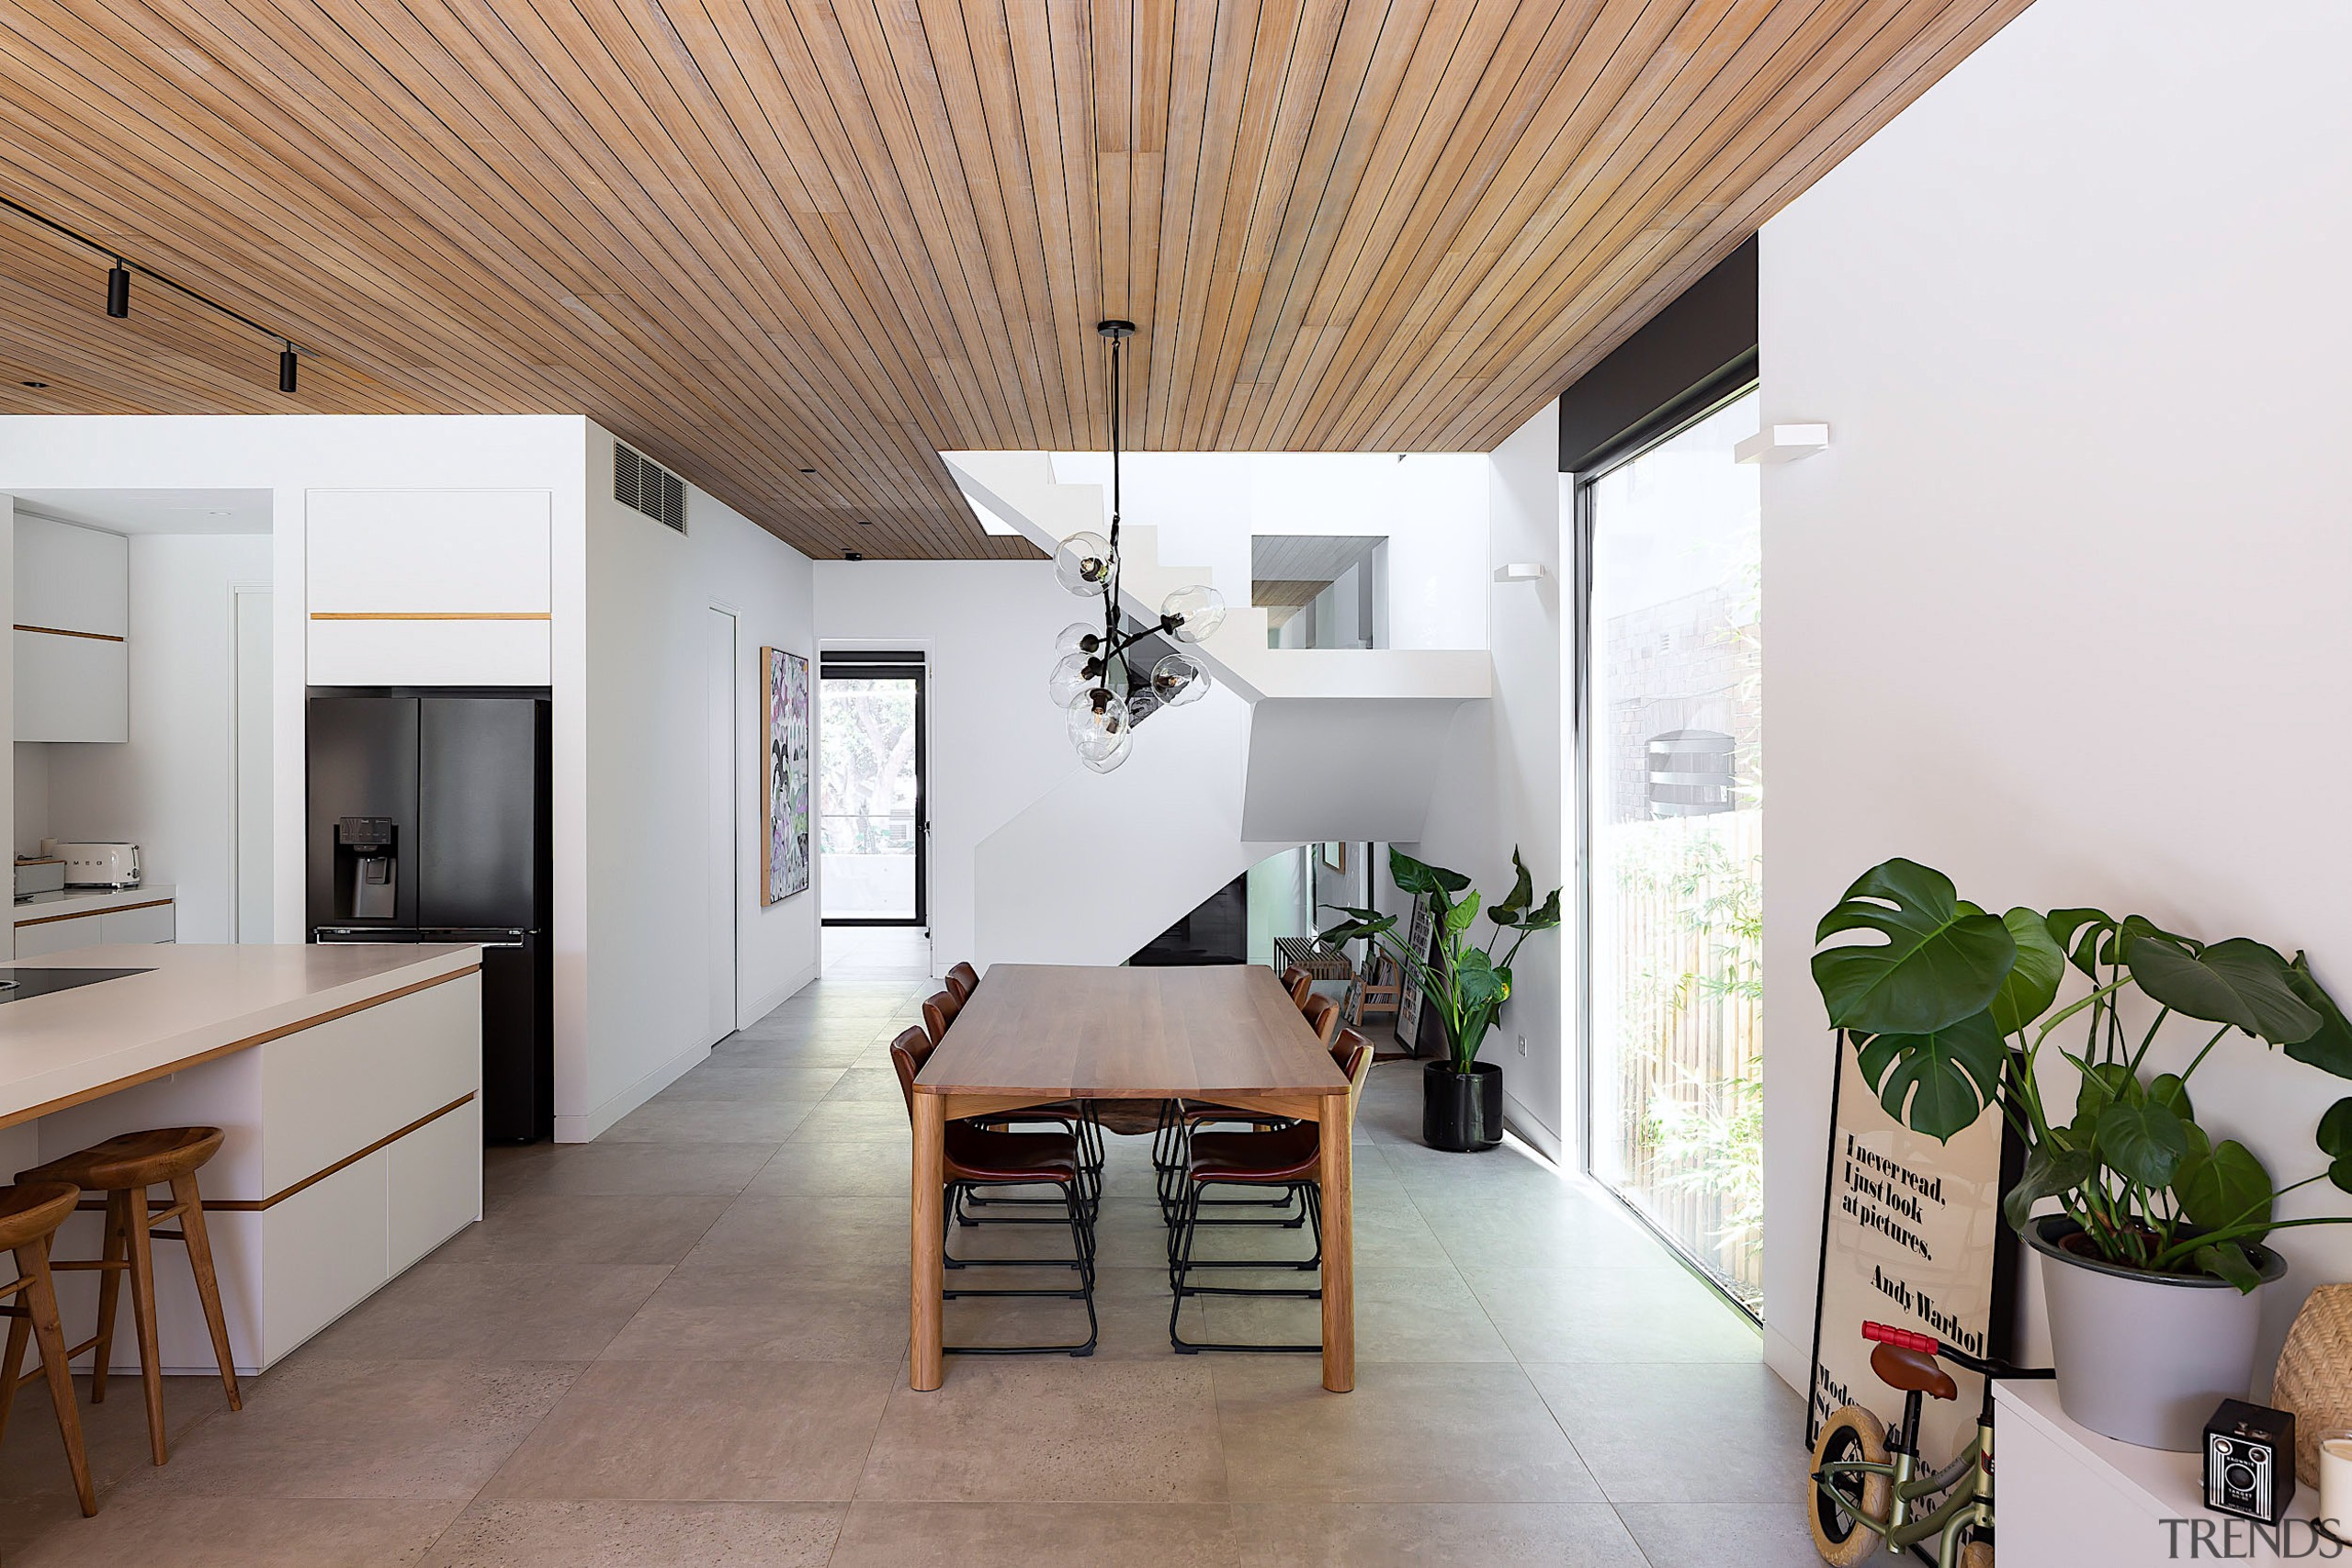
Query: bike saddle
point(1912, 1372)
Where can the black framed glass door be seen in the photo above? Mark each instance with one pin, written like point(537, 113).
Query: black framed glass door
point(873, 830)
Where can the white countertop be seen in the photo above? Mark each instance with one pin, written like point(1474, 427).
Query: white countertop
point(2157, 1484)
point(89, 901)
point(193, 1001)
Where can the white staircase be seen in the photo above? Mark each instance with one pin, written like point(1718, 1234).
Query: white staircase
point(1342, 743)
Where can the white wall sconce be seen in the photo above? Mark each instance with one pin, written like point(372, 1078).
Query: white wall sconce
point(1522, 572)
point(1783, 444)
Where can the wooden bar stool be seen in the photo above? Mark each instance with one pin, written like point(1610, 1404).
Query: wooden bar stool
point(123, 1168)
point(31, 1212)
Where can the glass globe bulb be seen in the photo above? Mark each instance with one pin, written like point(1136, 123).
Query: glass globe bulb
point(1142, 702)
point(1110, 760)
point(1070, 680)
point(1178, 678)
point(1083, 563)
point(1098, 722)
point(1198, 611)
point(1079, 636)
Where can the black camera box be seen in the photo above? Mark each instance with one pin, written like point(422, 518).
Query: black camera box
point(2250, 1461)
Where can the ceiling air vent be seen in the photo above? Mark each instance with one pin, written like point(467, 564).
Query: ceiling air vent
point(649, 487)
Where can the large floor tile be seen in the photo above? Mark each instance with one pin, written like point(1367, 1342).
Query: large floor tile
point(1656, 1313)
point(716, 1082)
point(114, 1435)
point(1415, 1433)
point(1052, 1430)
point(550, 1227)
point(318, 1426)
point(647, 1168)
point(237, 1532)
point(763, 1315)
point(1681, 1433)
point(639, 1535)
point(1702, 1535)
point(494, 1312)
point(687, 1121)
point(856, 1120)
point(1515, 1224)
point(1029, 1535)
point(689, 1431)
point(849, 1240)
point(1410, 1535)
point(817, 1170)
point(1402, 1314)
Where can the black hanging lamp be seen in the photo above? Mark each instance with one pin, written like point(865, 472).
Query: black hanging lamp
point(1093, 681)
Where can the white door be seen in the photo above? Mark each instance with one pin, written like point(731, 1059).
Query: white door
point(720, 844)
point(251, 915)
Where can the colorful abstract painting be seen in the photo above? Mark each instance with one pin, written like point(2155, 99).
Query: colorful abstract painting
point(784, 684)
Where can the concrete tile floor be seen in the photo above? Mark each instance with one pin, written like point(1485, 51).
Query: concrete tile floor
point(685, 1345)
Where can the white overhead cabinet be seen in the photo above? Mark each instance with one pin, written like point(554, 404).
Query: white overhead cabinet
point(428, 588)
point(73, 613)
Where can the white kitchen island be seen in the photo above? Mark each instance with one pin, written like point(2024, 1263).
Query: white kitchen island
point(346, 1077)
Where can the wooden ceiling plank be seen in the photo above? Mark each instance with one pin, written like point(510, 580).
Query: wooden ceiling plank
point(1631, 60)
point(1890, 78)
point(1231, 52)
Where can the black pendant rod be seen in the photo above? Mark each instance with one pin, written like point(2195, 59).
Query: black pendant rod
point(125, 263)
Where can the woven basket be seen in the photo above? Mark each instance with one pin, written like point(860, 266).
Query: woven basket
point(2314, 1379)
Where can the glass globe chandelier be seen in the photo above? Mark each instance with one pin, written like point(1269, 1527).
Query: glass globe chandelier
point(1094, 679)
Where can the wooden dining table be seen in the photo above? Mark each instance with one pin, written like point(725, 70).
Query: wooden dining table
point(1034, 1034)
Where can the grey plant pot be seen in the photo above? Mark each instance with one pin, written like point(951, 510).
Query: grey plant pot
point(2145, 1358)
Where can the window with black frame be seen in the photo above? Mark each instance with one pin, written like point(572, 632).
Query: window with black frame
point(872, 828)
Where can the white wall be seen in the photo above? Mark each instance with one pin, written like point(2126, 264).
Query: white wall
point(1500, 786)
point(996, 744)
point(2060, 609)
point(170, 787)
point(1430, 506)
point(649, 592)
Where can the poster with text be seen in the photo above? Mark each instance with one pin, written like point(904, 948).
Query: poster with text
point(1914, 1237)
point(784, 682)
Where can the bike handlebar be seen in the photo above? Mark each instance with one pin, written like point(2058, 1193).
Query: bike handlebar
point(1929, 1344)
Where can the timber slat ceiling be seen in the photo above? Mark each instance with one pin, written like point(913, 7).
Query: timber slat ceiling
point(754, 237)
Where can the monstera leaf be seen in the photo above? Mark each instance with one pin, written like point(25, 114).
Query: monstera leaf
point(2076, 933)
point(2145, 1141)
point(2330, 1048)
point(2223, 1187)
point(1943, 960)
point(1936, 1081)
point(2049, 1171)
point(2033, 982)
point(2239, 982)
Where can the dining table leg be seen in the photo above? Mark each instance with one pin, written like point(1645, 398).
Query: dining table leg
point(1337, 1131)
point(928, 1242)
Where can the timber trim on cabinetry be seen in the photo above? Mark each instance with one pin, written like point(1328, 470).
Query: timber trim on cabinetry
point(60, 631)
point(132, 1081)
point(431, 616)
point(93, 914)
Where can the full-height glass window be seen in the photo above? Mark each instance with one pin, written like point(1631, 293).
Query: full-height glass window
point(1672, 803)
point(871, 817)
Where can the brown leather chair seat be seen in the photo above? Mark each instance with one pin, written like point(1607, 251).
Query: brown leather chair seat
point(1913, 1371)
point(134, 1159)
point(1280, 1158)
point(974, 1153)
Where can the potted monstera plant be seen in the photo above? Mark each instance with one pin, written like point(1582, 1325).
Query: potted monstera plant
point(1461, 1097)
point(2154, 1258)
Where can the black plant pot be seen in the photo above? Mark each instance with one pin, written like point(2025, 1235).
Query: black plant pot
point(1462, 1113)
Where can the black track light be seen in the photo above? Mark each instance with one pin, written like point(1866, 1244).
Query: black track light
point(119, 290)
point(286, 369)
point(852, 555)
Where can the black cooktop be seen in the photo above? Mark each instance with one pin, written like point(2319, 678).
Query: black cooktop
point(17, 982)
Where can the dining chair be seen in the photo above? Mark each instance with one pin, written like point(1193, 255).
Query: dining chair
point(980, 1156)
point(1299, 983)
point(1075, 1116)
point(1288, 1156)
point(1181, 1120)
point(962, 981)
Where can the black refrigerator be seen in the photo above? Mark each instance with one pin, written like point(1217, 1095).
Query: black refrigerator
point(428, 822)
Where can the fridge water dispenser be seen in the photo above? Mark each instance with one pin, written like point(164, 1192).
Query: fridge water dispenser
point(366, 869)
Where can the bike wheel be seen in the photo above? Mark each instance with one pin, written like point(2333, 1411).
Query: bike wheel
point(1976, 1554)
point(1852, 1434)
